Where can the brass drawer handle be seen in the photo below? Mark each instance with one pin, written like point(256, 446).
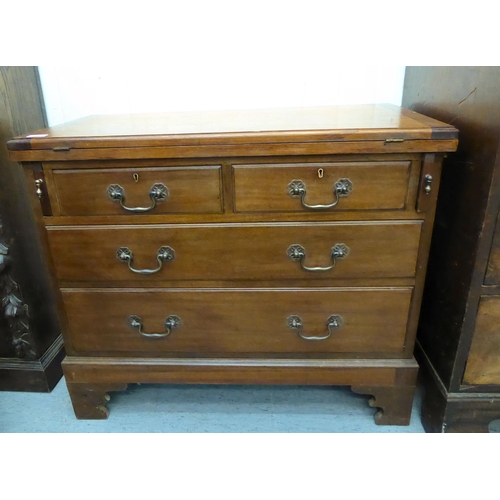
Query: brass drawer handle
point(342, 188)
point(170, 323)
point(157, 193)
point(297, 252)
point(164, 254)
point(333, 322)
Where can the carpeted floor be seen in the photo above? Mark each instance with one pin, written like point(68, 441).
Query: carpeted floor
point(188, 408)
point(184, 408)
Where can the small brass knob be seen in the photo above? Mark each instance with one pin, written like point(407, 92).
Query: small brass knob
point(38, 184)
point(428, 182)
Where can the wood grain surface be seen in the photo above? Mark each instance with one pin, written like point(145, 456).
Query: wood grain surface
point(235, 251)
point(483, 365)
point(344, 123)
point(493, 267)
point(237, 320)
point(84, 192)
point(263, 188)
point(28, 359)
point(194, 149)
point(106, 370)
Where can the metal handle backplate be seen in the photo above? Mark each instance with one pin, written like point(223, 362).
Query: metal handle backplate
point(164, 254)
point(171, 322)
point(342, 188)
point(298, 253)
point(333, 322)
point(157, 193)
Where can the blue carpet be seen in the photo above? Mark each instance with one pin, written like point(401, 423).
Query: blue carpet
point(207, 408)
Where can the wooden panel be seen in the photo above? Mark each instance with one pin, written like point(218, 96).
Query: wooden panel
point(21, 109)
point(429, 182)
point(190, 190)
point(493, 269)
point(387, 372)
point(375, 185)
point(444, 411)
point(334, 123)
point(483, 365)
point(26, 340)
point(469, 97)
point(229, 217)
point(236, 252)
point(243, 149)
point(238, 321)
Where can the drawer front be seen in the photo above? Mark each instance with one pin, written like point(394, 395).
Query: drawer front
point(236, 251)
point(483, 365)
point(161, 190)
point(238, 321)
point(347, 185)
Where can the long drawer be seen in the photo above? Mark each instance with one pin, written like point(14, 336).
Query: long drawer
point(235, 251)
point(335, 187)
point(122, 191)
point(200, 322)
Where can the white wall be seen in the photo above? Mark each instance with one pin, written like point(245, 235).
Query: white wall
point(71, 92)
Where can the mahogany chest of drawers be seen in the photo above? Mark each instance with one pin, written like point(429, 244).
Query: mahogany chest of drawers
point(285, 246)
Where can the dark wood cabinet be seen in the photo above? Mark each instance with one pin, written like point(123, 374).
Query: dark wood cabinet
point(31, 347)
point(458, 341)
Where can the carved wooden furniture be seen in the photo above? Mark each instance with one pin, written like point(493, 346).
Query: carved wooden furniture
point(459, 333)
point(264, 247)
point(31, 347)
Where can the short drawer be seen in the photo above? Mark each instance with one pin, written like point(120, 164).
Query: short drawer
point(259, 251)
point(203, 322)
point(312, 187)
point(123, 191)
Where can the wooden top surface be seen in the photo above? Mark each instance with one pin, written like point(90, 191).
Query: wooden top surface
point(337, 123)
